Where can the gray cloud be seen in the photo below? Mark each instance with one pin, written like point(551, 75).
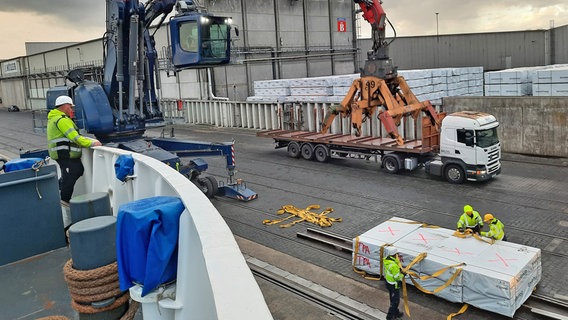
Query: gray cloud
point(67, 12)
point(411, 17)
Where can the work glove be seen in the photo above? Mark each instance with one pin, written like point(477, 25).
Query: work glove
point(461, 230)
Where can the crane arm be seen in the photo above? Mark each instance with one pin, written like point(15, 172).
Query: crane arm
point(376, 16)
point(379, 86)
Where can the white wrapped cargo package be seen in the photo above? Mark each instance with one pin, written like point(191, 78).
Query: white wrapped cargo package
point(392, 230)
point(367, 247)
point(497, 277)
point(452, 293)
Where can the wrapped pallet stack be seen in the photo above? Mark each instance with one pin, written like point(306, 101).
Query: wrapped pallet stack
point(551, 82)
point(497, 277)
point(427, 84)
point(543, 81)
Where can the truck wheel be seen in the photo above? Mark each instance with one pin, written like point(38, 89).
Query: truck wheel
point(390, 164)
point(307, 151)
point(321, 153)
point(455, 174)
point(294, 149)
point(206, 186)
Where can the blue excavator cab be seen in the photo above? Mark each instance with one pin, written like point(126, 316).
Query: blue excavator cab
point(200, 39)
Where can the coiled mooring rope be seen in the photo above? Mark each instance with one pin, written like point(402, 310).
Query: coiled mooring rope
point(99, 284)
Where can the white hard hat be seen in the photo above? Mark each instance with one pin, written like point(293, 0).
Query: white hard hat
point(63, 100)
point(390, 251)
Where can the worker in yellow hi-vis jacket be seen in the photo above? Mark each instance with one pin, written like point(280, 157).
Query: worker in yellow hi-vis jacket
point(393, 278)
point(496, 228)
point(65, 143)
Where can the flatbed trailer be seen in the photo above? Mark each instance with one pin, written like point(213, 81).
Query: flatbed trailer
point(395, 156)
point(320, 146)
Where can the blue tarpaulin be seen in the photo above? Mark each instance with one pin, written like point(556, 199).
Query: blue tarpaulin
point(147, 242)
point(124, 167)
point(21, 164)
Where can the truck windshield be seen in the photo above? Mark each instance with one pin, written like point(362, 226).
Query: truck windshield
point(487, 138)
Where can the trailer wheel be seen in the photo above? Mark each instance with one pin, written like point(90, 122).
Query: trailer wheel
point(390, 164)
point(321, 153)
point(307, 151)
point(293, 149)
point(215, 185)
point(455, 174)
point(206, 186)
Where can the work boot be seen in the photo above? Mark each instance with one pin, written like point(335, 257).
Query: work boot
point(399, 315)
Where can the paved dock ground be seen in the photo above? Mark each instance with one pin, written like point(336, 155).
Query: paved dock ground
point(530, 197)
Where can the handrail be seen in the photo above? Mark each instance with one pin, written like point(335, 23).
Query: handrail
point(26, 180)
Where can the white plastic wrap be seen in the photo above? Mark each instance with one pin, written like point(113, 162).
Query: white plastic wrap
point(497, 277)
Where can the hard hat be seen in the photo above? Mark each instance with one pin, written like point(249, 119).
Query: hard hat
point(390, 251)
point(467, 208)
point(63, 100)
point(488, 217)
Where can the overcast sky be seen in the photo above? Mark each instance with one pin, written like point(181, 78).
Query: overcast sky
point(81, 20)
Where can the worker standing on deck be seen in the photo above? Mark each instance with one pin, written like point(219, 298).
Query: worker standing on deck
point(470, 219)
point(65, 143)
point(393, 279)
point(496, 228)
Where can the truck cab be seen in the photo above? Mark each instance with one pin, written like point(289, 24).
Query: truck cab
point(470, 147)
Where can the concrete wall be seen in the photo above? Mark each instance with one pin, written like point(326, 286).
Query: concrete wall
point(528, 125)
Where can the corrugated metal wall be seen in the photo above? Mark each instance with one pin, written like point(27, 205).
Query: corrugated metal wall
point(559, 44)
point(493, 51)
point(282, 39)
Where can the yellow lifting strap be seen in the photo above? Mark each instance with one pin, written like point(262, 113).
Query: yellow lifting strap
point(320, 219)
point(469, 232)
point(363, 273)
point(462, 310)
point(422, 224)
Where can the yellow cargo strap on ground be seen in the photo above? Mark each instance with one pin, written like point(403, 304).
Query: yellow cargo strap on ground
point(320, 219)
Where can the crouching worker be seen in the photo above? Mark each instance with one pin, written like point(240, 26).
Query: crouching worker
point(496, 228)
point(470, 219)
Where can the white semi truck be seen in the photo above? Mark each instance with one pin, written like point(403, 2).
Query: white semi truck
point(465, 147)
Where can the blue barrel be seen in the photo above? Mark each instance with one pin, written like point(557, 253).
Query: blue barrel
point(93, 242)
point(89, 205)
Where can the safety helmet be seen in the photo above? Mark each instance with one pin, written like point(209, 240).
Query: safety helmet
point(63, 100)
point(488, 217)
point(467, 208)
point(390, 251)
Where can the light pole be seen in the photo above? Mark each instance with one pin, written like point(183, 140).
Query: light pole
point(437, 29)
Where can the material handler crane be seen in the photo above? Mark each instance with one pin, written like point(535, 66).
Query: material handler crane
point(118, 110)
point(379, 85)
point(460, 146)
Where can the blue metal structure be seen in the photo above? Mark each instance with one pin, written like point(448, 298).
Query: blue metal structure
point(118, 110)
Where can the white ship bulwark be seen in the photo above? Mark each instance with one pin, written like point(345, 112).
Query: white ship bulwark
point(213, 278)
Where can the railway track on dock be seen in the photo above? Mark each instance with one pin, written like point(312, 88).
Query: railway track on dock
point(333, 307)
